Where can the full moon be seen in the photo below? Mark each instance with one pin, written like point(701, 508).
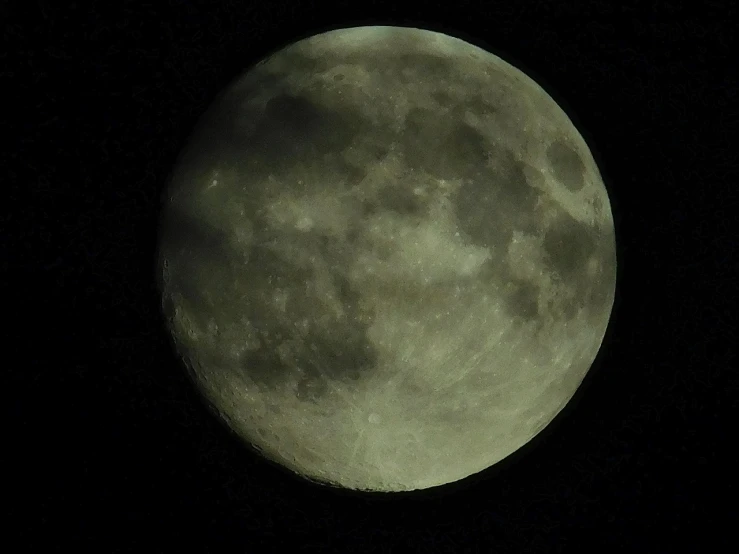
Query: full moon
point(387, 258)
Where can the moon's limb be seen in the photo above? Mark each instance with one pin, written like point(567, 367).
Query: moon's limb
point(386, 247)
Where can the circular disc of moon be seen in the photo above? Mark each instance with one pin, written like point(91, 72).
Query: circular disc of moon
point(387, 258)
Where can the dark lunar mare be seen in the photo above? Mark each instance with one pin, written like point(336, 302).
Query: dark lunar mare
point(567, 165)
point(220, 282)
point(331, 346)
point(568, 246)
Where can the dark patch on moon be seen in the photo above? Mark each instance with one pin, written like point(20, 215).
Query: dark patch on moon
point(568, 245)
point(398, 198)
point(569, 308)
point(302, 144)
point(467, 147)
point(329, 345)
point(442, 98)
point(601, 291)
point(520, 297)
point(370, 207)
point(267, 272)
point(264, 365)
point(200, 257)
point(523, 299)
point(477, 105)
point(352, 174)
point(567, 165)
point(367, 149)
point(441, 145)
point(295, 128)
point(297, 131)
point(497, 202)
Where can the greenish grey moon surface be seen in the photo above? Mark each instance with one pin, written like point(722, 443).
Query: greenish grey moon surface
point(387, 258)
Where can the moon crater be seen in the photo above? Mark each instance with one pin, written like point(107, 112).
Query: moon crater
point(568, 168)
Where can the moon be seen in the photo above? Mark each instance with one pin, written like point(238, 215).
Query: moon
point(386, 258)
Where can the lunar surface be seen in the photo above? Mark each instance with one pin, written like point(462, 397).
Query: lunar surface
point(387, 258)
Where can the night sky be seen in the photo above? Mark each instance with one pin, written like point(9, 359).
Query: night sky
point(112, 449)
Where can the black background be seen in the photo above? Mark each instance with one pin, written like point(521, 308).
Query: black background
point(112, 450)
